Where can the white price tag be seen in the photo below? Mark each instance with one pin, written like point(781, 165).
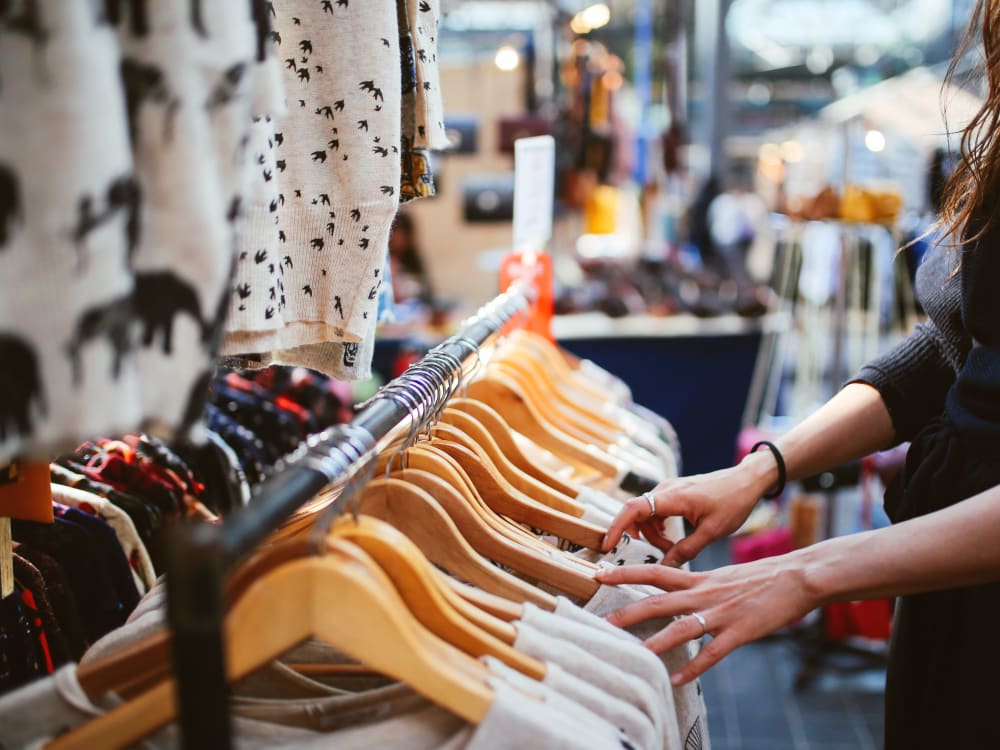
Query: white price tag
point(534, 185)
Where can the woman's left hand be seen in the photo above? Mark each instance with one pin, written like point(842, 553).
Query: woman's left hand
point(739, 604)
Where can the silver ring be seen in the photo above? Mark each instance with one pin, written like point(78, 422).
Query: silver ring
point(701, 620)
point(652, 503)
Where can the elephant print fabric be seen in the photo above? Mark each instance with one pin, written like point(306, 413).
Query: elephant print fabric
point(124, 132)
point(325, 191)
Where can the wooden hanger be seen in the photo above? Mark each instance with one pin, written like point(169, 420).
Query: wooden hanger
point(561, 401)
point(380, 539)
point(440, 609)
point(500, 431)
point(560, 384)
point(543, 364)
point(570, 421)
point(380, 632)
point(523, 481)
point(506, 500)
point(503, 395)
point(427, 457)
point(563, 365)
point(489, 454)
point(410, 505)
point(497, 606)
point(402, 504)
point(549, 566)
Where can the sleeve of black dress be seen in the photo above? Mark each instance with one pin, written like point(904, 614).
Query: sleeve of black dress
point(912, 378)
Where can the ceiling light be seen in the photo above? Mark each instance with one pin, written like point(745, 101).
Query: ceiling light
point(791, 151)
point(875, 141)
point(819, 60)
point(590, 18)
point(507, 58)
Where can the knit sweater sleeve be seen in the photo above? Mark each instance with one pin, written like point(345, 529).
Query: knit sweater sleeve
point(912, 379)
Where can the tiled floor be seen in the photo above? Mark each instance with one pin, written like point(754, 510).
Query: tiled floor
point(753, 703)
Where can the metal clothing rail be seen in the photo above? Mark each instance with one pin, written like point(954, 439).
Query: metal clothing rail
point(200, 554)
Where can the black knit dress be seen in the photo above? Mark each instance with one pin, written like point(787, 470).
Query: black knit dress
point(942, 388)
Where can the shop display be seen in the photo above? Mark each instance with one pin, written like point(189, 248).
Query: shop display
point(620, 288)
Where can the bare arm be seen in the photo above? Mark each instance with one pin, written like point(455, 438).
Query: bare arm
point(852, 424)
point(953, 547)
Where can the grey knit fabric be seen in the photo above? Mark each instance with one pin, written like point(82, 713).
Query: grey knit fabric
point(915, 375)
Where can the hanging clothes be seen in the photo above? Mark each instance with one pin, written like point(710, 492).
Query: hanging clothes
point(312, 276)
point(122, 140)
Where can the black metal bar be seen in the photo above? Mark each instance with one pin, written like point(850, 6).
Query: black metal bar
point(194, 613)
point(201, 554)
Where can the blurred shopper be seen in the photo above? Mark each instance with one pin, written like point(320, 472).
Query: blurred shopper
point(735, 217)
point(409, 276)
point(939, 388)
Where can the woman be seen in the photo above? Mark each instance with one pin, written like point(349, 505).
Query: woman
point(941, 389)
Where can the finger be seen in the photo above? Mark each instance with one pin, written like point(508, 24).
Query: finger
point(689, 547)
point(671, 604)
point(633, 511)
point(652, 531)
point(681, 630)
point(638, 611)
point(710, 655)
point(662, 577)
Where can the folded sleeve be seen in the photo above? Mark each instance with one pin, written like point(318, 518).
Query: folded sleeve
point(913, 379)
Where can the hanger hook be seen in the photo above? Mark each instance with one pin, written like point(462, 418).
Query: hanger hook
point(354, 447)
point(422, 380)
point(451, 366)
point(401, 395)
point(464, 377)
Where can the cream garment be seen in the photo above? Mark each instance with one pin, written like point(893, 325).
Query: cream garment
point(596, 516)
point(688, 699)
point(33, 714)
point(264, 696)
point(424, 22)
point(520, 717)
point(612, 385)
point(190, 92)
point(569, 654)
point(580, 711)
point(124, 528)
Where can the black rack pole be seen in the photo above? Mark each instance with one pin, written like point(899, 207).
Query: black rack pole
point(200, 554)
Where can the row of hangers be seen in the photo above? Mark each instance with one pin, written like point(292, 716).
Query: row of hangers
point(406, 585)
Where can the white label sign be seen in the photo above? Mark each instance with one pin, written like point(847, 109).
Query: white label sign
point(534, 184)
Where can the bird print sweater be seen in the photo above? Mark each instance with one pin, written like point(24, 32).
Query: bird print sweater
point(310, 268)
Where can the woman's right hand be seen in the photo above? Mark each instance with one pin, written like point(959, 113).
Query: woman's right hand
point(716, 504)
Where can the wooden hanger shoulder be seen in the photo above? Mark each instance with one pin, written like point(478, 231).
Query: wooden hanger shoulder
point(500, 431)
point(437, 607)
point(523, 481)
point(391, 641)
point(545, 565)
point(415, 505)
point(506, 500)
point(498, 392)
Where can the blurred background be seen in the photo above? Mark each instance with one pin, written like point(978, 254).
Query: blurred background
point(735, 179)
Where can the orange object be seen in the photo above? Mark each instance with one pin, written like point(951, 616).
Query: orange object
point(26, 491)
point(600, 212)
point(536, 270)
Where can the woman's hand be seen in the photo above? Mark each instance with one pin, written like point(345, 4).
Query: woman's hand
point(715, 504)
point(739, 603)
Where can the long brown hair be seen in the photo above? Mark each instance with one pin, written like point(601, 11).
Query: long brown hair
point(967, 213)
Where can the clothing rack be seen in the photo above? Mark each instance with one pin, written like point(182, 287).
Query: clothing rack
point(200, 554)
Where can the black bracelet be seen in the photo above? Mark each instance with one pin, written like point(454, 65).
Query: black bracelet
point(782, 475)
